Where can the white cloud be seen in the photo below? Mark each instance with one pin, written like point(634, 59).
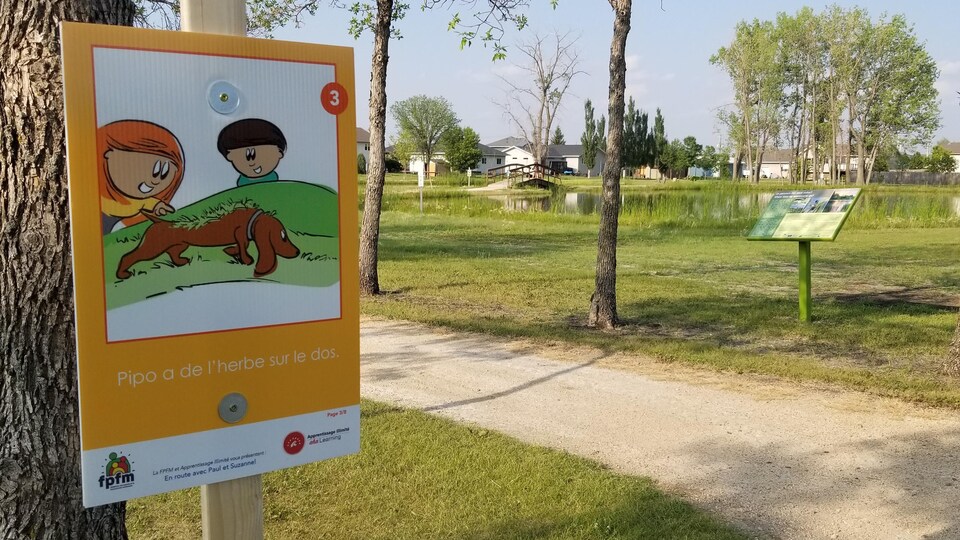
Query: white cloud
point(949, 68)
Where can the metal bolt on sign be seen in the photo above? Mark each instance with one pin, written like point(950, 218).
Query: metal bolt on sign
point(223, 97)
point(233, 407)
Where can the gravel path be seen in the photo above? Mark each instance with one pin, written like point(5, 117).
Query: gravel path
point(777, 459)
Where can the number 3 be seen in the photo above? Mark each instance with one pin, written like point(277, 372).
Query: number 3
point(334, 98)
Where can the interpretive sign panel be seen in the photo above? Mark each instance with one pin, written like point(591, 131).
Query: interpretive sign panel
point(805, 215)
point(213, 213)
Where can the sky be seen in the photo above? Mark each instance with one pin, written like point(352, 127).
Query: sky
point(668, 59)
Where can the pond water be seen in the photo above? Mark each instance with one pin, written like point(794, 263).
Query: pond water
point(719, 208)
point(702, 208)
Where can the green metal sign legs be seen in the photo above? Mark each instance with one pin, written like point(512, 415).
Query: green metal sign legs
point(804, 281)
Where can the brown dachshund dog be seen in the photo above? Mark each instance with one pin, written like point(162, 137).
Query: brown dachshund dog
point(234, 230)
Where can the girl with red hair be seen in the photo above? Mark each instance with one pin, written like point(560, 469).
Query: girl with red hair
point(141, 167)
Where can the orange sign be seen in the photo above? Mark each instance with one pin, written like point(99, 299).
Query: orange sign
point(213, 212)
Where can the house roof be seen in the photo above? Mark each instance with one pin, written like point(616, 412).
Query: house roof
point(505, 142)
point(953, 148)
point(363, 136)
point(566, 150)
point(487, 151)
point(778, 155)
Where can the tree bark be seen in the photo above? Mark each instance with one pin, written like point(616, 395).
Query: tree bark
point(40, 494)
point(603, 303)
point(376, 167)
point(952, 365)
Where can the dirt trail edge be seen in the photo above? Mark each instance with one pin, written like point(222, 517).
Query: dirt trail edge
point(778, 460)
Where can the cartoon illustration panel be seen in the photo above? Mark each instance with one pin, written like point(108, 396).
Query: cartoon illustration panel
point(218, 192)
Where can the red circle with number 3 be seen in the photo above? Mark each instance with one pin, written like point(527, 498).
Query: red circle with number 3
point(293, 443)
point(334, 98)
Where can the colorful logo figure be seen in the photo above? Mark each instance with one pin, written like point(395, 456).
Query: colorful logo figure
point(117, 465)
point(117, 474)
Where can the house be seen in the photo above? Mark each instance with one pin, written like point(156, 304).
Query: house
point(559, 156)
point(775, 163)
point(562, 156)
point(954, 149)
point(363, 144)
point(780, 163)
point(490, 158)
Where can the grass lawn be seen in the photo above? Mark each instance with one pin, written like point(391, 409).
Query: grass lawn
point(421, 477)
point(694, 293)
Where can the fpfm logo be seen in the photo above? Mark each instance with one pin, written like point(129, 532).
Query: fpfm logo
point(118, 472)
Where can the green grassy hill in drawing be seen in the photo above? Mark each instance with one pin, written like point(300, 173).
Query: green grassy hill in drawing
point(309, 213)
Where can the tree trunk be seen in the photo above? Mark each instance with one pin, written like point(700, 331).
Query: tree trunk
point(40, 494)
point(737, 165)
point(376, 167)
point(952, 365)
point(603, 303)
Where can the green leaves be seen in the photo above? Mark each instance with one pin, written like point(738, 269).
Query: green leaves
point(423, 120)
point(461, 148)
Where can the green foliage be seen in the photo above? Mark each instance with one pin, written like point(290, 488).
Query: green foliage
point(674, 160)
point(593, 138)
point(659, 136)
point(486, 25)
point(637, 142)
point(558, 137)
point(403, 149)
point(799, 77)
point(423, 120)
point(691, 152)
point(941, 161)
point(393, 164)
point(712, 160)
point(461, 148)
point(361, 164)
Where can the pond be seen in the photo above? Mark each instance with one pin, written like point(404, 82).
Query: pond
point(720, 208)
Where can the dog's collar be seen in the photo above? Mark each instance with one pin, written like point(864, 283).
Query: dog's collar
point(250, 224)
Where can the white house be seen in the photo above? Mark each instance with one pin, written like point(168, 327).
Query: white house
point(559, 156)
point(363, 144)
point(562, 156)
point(954, 149)
point(779, 162)
point(490, 158)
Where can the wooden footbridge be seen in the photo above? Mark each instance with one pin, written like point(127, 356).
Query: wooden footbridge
point(534, 175)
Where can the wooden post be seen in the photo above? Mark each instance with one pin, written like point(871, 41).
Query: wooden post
point(231, 510)
point(214, 16)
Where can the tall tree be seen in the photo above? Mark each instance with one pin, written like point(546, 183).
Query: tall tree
point(603, 302)
point(461, 148)
point(592, 138)
point(712, 160)
point(40, 494)
point(636, 151)
point(549, 69)
point(890, 93)
point(558, 137)
point(691, 153)
point(751, 61)
point(424, 120)
point(659, 139)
